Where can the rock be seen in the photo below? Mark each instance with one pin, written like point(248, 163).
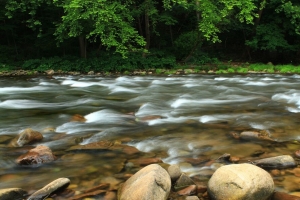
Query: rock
point(183, 182)
point(91, 73)
point(297, 153)
point(145, 161)
point(37, 156)
point(190, 190)
point(50, 72)
point(174, 172)
point(106, 145)
point(234, 159)
point(151, 182)
point(12, 193)
point(277, 162)
point(192, 198)
point(26, 137)
point(240, 182)
point(58, 184)
point(252, 135)
point(197, 161)
point(284, 196)
point(77, 118)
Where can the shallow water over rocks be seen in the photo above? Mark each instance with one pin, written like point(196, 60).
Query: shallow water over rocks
point(191, 120)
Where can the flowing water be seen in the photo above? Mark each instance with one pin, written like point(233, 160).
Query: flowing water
point(175, 118)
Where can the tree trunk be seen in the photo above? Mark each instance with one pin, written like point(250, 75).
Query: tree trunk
point(147, 29)
point(82, 44)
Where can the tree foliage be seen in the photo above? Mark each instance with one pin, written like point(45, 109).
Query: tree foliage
point(186, 29)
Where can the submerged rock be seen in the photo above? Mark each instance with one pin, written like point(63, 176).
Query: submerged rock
point(151, 182)
point(26, 137)
point(77, 118)
point(37, 156)
point(58, 184)
point(277, 162)
point(240, 182)
point(106, 145)
point(284, 196)
point(253, 135)
point(12, 193)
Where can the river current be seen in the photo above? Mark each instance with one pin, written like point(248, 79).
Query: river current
point(175, 118)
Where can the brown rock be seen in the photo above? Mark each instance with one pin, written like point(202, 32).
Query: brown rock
point(145, 161)
point(197, 161)
point(234, 159)
point(284, 196)
point(190, 190)
point(12, 193)
point(78, 118)
point(130, 150)
point(297, 154)
point(26, 137)
point(201, 188)
point(37, 156)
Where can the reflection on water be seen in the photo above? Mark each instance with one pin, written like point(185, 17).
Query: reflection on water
point(176, 118)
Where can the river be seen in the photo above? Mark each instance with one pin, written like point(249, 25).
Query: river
point(175, 118)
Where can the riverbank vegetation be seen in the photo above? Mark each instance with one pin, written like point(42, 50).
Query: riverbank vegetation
point(199, 36)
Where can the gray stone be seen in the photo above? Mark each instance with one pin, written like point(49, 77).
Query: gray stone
point(174, 172)
point(183, 182)
point(151, 182)
point(240, 182)
point(277, 162)
point(55, 185)
point(12, 193)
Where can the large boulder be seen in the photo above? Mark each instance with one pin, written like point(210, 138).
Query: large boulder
point(240, 182)
point(151, 182)
point(37, 156)
point(12, 193)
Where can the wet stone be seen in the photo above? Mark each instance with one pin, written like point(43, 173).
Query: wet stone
point(37, 156)
point(183, 182)
point(190, 190)
point(27, 136)
point(284, 196)
point(56, 185)
point(145, 161)
point(174, 172)
point(277, 162)
point(12, 194)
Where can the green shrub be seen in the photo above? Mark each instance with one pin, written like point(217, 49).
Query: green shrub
point(242, 70)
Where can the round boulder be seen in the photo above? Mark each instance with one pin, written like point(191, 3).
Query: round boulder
point(240, 182)
point(151, 182)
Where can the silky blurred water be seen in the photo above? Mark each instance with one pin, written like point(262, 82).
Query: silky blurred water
point(196, 114)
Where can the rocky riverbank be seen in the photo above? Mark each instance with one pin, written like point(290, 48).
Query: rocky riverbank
point(233, 178)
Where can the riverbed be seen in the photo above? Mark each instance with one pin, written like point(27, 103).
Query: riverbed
point(186, 120)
